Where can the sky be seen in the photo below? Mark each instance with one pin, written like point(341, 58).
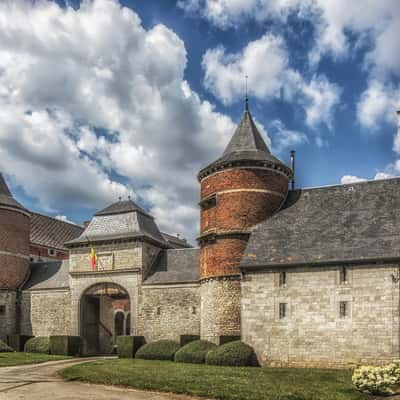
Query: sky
point(105, 99)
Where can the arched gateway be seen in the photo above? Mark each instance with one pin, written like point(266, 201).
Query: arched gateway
point(100, 314)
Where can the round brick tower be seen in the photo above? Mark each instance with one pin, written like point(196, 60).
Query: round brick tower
point(240, 189)
point(14, 240)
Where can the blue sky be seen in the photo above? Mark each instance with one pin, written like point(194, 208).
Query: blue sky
point(115, 98)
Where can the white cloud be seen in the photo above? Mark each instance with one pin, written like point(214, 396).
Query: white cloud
point(87, 95)
point(351, 179)
point(284, 138)
point(378, 103)
point(64, 218)
point(266, 63)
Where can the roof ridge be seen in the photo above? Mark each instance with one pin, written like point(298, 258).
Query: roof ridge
point(56, 219)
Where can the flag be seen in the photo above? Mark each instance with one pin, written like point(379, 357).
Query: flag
point(93, 257)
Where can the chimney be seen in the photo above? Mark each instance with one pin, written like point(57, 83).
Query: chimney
point(292, 166)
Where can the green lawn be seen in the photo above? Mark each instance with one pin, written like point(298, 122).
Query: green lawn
point(227, 383)
point(10, 359)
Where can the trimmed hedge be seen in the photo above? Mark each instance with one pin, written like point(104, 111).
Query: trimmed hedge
point(234, 354)
point(17, 342)
point(160, 350)
point(5, 348)
point(194, 352)
point(185, 339)
point(65, 345)
point(38, 344)
point(127, 346)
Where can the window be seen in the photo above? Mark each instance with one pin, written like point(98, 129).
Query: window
point(282, 310)
point(2, 309)
point(282, 278)
point(343, 309)
point(343, 275)
point(193, 310)
point(51, 252)
point(158, 310)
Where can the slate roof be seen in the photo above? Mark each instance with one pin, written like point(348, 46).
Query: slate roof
point(121, 220)
point(246, 145)
point(6, 198)
point(48, 275)
point(175, 266)
point(356, 222)
point(175, 241)
point(121, 207)
point(51, 232)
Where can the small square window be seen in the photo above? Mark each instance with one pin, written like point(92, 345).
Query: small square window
point(343, 275)
point(2, 309)
point(51, 252)
point(282, 310)
point(282, 278)
point(343, 309)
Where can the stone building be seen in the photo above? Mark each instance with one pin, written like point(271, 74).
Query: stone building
point(308, 277)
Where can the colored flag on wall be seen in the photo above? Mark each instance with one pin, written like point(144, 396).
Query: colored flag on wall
point(93, 257)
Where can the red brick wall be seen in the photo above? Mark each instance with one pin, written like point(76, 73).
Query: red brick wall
point(250, 178)
point(244, 197)
point(14, 238)
point(41, 251)
point(221, 257)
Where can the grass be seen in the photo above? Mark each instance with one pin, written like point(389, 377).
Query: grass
point(11, 359)
point(226, 383)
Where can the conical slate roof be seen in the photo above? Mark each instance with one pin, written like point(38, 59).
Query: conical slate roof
point(120, 220)
point(246, 146)
point(6, 198)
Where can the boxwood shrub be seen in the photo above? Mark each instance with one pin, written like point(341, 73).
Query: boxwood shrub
point(194, 352)
point(65, 345)
point(127, 346)
point(160, 350)
point(5, 348)
point(235, 354)
point(38, 344)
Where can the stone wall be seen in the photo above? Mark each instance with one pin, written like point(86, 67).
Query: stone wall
point(116, 256)
point(313, 333)
point(46, 312)
point(168, 311)
point(8, 314)
point(220, 308)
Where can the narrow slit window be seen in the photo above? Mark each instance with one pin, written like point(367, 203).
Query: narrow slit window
point(158, 310)
point(282, 278)
point(2, 309)
point(343, 275)
point(282, 310)
point(343, 309)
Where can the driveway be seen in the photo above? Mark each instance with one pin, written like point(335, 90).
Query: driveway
point(41, 382)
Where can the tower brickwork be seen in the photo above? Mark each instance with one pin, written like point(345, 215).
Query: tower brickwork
point(242, 188)
point(14, 256)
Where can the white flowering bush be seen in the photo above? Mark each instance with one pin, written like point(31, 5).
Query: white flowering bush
point(377, 380)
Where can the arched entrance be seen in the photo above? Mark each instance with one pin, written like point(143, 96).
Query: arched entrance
point(98, 314)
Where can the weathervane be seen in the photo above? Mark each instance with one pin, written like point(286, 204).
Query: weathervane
point(246, 97)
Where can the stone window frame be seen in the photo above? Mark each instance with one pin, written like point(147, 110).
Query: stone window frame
point(52, 252)
point(282, 279)
point(348, 282)
point(282, 310)
point(288, 310)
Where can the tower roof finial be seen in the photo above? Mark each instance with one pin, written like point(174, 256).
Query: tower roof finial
point(246, 99)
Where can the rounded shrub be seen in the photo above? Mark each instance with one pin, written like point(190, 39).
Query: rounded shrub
point(5, 348)
point(194, 352)
point(159, 350)
point(235, 354)
point(39, 344)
